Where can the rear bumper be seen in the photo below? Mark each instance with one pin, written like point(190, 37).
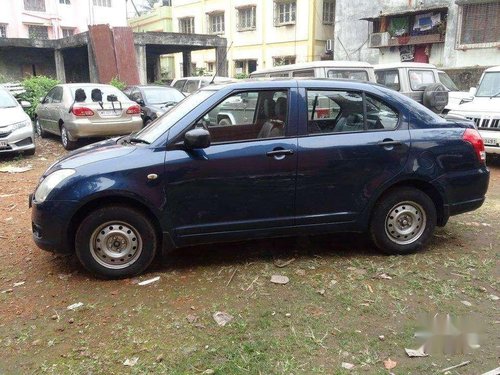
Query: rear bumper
point(85, 129)
point(50, 223)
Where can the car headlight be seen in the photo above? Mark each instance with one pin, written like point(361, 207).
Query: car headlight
point(19, 125)
point(50, 182)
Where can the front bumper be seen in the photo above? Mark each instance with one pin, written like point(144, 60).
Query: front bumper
point(51, 225)
point(22, 139)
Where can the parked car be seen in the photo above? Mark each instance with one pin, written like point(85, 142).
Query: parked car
point(418, 81)
point(365, 165)
point(188, 85)
point(154, 100)
point(16, 129)
point(484, 109)
point(85, 110)
point(321, 69)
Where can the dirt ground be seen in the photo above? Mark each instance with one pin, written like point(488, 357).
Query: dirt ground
point(344, 303)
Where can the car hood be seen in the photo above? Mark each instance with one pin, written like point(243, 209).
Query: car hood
point(9, 116)
point(479, 105)
point(94, 153)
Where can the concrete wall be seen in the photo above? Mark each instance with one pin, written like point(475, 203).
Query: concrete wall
point(465, 78)
point(442, 54)
point(17, 63)
point(77, 16)
point(305, 40)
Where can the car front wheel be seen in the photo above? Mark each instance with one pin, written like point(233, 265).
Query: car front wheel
point(403, 221)
point(115, 242)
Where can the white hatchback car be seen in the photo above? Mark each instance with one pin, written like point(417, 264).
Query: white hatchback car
point(16, 129)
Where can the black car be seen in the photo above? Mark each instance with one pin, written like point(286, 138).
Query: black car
point(154, 100)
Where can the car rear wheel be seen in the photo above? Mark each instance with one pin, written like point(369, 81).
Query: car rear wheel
point(66, 142)
point(115, 242)
point(403, 221)
point(39, 130)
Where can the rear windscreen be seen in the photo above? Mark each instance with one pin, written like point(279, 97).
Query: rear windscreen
point(97, 94)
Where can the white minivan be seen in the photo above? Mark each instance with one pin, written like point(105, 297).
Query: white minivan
point(357, 70)
point(484, 109)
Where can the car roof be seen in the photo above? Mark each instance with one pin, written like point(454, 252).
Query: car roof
point(153, 87)
point(493, 69)
point(84, 85)
point(205, 78)
point(316, 64)
point(405, 65)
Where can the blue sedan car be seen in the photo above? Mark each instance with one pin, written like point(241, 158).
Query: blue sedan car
point(309, 157)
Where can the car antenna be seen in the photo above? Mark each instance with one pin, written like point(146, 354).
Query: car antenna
point(217, 69)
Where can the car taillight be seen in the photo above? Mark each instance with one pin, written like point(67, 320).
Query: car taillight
point(473, 137)
point(134, 110)
point(82, 111)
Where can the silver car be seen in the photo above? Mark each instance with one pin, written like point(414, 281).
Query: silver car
point(16, 129)
point(86, 110)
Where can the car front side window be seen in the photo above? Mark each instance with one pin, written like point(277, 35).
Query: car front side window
point(247, 116)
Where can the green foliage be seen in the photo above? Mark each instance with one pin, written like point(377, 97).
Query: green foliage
point(36, 88)
point(200, 72)
point(120, 85)
point(241, 76)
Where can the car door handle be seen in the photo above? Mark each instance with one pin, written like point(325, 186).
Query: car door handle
point(389, 143)
point(279, 152)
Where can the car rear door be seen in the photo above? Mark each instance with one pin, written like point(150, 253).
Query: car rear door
point(347, 150)
point(244, 181)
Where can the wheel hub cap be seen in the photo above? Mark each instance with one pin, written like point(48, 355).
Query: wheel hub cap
point(115, 245)
point(405, 223)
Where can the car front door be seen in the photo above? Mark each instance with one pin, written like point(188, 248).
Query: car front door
point(43, 110)
point(54, 109)
point(245, 180)
point(347, 150)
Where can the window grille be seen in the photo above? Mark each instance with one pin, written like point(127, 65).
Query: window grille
point(35, 5)
point(480, 24)
point(284, 13)
point(246, 18)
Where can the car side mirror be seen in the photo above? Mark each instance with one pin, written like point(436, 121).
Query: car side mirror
point(25, 104)
point(472, 91)
point(197, 138)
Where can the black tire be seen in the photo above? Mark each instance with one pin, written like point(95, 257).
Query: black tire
point(133, 233)
point(394, 225)
point(39, 130)
point(435, 97)
point(29, 152)
point(66, 142)
point(147, 122)
point(225, 121)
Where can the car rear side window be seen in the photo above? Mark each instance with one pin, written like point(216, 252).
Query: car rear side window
point(388, 78)
point(247, 116)
point(360, 75)
point(192, 86)
point(304, 73)
point(180, 84)
point(420, 79)
point(333, 111)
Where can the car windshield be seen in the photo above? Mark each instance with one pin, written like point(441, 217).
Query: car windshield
point(490, 84)
point(152, 132)
point(445, 79)
point(6, 100)
point(162, 95)
point(97, 94)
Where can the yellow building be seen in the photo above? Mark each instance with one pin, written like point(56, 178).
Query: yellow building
point(158, 19)
point(261, 33)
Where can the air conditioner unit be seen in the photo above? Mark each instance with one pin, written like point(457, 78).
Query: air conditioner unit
point(329, 46)
point(379, 40)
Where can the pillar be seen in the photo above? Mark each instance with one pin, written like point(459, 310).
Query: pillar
point(140, 52)
point(221, 61)
point(186, 63)
point(60, 71)
point(93, 73)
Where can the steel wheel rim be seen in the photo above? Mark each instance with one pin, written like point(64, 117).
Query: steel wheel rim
point(115, 245)
point(38, 127)
point(405, 223)
point(64, 137)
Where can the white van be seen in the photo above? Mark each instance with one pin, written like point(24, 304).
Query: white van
point(188, 85)
point(321, 69)
point(484, 109)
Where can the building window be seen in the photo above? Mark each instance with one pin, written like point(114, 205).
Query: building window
point(3, 31)
point(245, 67)
point(186, 25)
point(65, 2)
point(283, 60)
point(38, 32)
point(328, 12)
point(66, 31)
point(210, 66)
point(102, 3)
point(246, 18)
point(216, 23)
point(479, 24)
point(35, 5)
point(284, 12)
